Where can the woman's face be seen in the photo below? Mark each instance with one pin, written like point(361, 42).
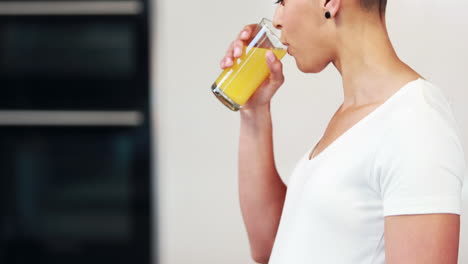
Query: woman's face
point(307, 33)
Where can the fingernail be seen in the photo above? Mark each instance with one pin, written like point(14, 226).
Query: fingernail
point(228, 62)
point(244, 34)
point(270, 56)
point(237, 52)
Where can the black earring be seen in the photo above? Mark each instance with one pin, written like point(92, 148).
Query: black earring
point(327, 15)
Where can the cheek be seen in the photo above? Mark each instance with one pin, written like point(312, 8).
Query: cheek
point(305, 33)
point(313, 50)
point(302, 33)
point(295, 19)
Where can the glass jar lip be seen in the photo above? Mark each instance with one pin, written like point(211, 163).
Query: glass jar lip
point(276, 33)
point(269, 24)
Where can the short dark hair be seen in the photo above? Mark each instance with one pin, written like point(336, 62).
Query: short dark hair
point(374, 5)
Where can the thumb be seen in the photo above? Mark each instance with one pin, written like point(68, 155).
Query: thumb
point(276, 68)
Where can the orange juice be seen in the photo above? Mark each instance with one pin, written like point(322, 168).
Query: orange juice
point(248, 72)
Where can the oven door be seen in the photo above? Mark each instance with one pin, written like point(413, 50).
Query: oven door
point(74, 194)
point(79, 62)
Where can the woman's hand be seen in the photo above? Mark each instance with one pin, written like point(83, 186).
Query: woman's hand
point(267, 89)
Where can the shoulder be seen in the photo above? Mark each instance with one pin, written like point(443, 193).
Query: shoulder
point(419, 166)
point(423, 120)
point(422, 137)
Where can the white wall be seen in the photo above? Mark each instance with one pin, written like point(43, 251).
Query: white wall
point(195, 167)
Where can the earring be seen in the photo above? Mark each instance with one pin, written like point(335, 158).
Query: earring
point(327, 15)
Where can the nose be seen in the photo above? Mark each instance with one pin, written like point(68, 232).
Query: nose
point(277, 25)
point(277, 22)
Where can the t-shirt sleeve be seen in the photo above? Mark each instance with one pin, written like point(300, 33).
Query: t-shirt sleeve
point(421, 171)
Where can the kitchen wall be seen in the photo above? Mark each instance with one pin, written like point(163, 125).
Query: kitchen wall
point(195, 166)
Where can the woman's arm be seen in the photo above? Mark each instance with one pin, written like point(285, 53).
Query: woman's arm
point(261, 189)
point(422, 239)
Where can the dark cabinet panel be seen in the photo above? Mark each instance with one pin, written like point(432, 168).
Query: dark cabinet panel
point(73, 62)
point(69, 194)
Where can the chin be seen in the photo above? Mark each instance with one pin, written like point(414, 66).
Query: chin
point(311, 68)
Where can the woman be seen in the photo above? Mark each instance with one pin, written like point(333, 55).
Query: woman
point(383, 185)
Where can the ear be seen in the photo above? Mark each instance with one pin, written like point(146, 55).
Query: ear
point(332, 6)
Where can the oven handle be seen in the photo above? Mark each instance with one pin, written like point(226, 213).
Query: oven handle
point(129, 7)
point(70, 118)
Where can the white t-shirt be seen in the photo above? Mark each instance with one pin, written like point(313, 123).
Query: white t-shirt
point(405, 157)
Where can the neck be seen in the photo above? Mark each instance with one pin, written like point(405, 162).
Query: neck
point(369, 66)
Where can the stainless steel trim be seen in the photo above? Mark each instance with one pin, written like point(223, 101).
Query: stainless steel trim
point(129, 7)
point(70, 118)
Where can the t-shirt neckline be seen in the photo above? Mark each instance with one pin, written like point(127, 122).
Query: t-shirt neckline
point(362, 121)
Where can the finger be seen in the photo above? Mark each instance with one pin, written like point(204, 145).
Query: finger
point(246, 33)
point(227, 61)
point(276, 68)
point(230, 49)
point(223, 63)
point(234, 51)
point(238, 47)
